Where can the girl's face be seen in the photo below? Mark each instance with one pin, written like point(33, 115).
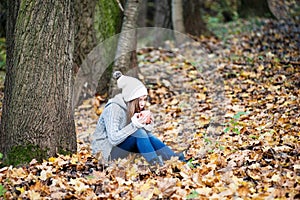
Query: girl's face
point(142, 102)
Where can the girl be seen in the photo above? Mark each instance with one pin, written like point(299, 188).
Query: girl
point(125, 127)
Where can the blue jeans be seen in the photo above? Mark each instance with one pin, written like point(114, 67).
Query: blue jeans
point(145, 143)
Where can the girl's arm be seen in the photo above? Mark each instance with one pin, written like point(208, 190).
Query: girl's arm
point(115, 122)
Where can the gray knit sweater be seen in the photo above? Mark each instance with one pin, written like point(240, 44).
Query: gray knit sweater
point(112, 127)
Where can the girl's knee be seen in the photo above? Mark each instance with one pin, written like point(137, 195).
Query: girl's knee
point(140, 133)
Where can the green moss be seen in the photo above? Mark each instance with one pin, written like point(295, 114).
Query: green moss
point(23, 154)
point(107, 19)
point(64, 152)
point(2, 54)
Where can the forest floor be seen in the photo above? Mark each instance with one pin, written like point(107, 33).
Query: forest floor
point(233, 103)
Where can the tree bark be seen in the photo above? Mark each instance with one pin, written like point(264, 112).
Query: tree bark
point(254, 8)
point(37, 107)
point(3, 18)
point(142, 15)
point(94, 75)
point(193, 22)
point(177, 16)
point(162, 16)
point(178, 21)
point(285, 10)
point(126, 58)
point(110, 24)
point(85, 33)
point(85, 41)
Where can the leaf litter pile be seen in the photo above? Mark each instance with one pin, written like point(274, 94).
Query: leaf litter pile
point(232, 105)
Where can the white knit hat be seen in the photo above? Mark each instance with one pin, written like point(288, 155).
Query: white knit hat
point(132, 88)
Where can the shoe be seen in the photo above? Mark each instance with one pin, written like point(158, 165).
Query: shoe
point(155, 164)
point(181, 156)
point(189, 161)
point(157, 161)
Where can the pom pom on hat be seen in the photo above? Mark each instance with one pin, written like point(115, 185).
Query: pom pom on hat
point(117, 74)
point(132, 88)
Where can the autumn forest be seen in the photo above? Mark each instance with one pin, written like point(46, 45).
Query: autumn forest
point(223, 81)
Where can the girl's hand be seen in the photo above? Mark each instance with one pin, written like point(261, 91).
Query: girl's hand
point(145, 116)
point(138, 121)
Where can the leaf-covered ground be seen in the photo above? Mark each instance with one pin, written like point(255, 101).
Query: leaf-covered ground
point(234, 105)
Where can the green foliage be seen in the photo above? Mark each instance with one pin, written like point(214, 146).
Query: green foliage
point(233, 124)
point(23, 154)
point(215, 145)
point(108, 19)
point(2, 54)
point(1, 156)
point(225, 30)
point(64, 152)
point(190, 163)
point(2, 190)
point(194, 194)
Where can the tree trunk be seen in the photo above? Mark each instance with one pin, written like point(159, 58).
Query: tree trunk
point(285, 10)
point(193, 22)
point(85, 41)
point(94, 75)
point(254, 8)
point(142, 15)
point(162, 16)
point(126, 58)
point(178, 21)
point(110, 24)
point(177, 16)
point(85, 33)
point(37, 108)
point(3, 18)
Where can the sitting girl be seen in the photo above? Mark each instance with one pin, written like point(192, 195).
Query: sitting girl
point(125, 126)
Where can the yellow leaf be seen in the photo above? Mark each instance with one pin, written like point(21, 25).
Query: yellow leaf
point(132, 172)
point(33, 195)
point(204, 191)
point(74, 159)
point(245, 74)
point(276, 178)
point(52, 159)
point(138, 197)
point(243, 191)
point(145, 186)
point(174, 102)
point(21, 189)
point(203, 120)
point(201, 96)
point(260, 68)
point(45, 174)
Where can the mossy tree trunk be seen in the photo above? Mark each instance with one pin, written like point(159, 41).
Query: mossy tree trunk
point(37, 107)
point(109, 23)
point(103, 19)
point(3, 18)
point(254, 8)
point(126, 58)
